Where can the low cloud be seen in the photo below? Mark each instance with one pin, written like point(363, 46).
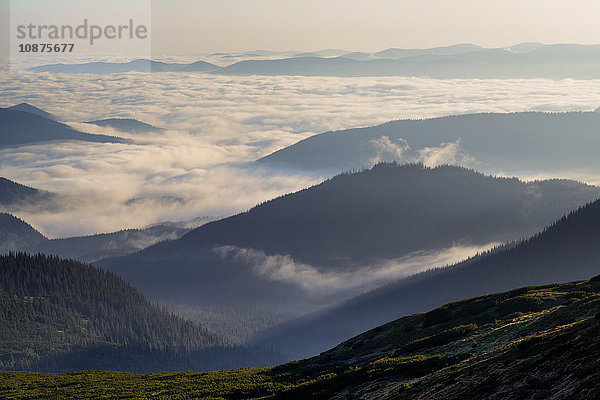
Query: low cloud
point(452, 153)
point(389, 150)
point(111, 187)
point(284, 268)
point(446, 154)
point(283, 109)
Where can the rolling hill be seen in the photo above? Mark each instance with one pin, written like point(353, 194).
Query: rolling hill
point(318, 246)
point(60, 315)
point(530, 142)
point(565, 251)
point(533, 342)
point(21, 127)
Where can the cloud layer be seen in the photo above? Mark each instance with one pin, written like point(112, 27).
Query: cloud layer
point(216, 125)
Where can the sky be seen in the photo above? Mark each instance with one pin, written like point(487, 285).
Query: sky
point(207, 26)
point(359, 25)
point(217, 125)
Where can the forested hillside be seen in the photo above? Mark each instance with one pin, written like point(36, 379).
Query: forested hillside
point(59, 315)
point(25, 107)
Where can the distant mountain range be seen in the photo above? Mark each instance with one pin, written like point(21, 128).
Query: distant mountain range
point(141, 65)
point(526, 60)
point(58, 315)
point(275, 256)
point(552, 61)
point(395, 53)
point(528, 142)
point(392, 210)
point(567, 250)
point(27, 127)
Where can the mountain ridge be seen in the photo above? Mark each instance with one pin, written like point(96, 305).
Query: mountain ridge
point(520, 141)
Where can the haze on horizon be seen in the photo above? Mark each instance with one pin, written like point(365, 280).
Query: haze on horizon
point(205, 26)
point(358, 25)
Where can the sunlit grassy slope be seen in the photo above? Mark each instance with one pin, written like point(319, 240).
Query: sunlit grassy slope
point(535, 342)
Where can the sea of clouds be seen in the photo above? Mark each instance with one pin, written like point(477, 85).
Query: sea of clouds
point(201, 165)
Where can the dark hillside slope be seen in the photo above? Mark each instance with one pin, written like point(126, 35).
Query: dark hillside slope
point(567, 250)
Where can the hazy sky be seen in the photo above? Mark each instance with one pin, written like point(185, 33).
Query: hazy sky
point(206, 26)
point(197, 26)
